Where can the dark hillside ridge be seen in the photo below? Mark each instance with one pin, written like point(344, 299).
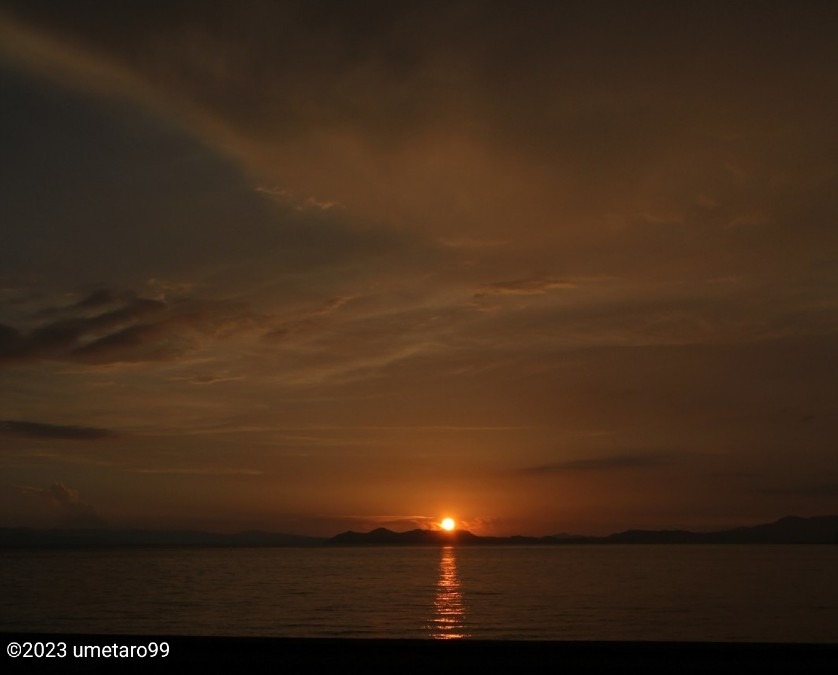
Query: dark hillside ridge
point(788, 530)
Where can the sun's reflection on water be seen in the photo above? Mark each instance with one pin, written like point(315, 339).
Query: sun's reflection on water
point(449, 618)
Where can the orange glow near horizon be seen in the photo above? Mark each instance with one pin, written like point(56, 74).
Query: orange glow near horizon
point(447, 524)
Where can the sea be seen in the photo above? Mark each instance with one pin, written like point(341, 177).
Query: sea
point(564, 592)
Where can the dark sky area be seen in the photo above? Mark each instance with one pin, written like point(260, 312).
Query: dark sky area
point(310, 266)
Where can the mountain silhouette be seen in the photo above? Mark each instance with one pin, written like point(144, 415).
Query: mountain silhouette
point(787, 530)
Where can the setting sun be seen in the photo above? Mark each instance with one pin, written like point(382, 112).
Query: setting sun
point(447, 524)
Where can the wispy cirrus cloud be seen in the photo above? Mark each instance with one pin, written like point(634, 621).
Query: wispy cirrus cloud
point(534, 286)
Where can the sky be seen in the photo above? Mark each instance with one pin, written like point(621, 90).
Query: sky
point(316, 266)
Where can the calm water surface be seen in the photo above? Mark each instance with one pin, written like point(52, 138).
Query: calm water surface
point(726, 593)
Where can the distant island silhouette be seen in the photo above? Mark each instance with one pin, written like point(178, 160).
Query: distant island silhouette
point(787, 530)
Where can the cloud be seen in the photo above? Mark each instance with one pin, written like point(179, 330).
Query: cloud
point(53, 431)
point(72, 511)
point(535, 286)
point(148, 342)
point(286, 198)
point(105, 328)
point(208, 379)
point(615, 462)
point(476, 122)
point(96, 299)
point(333, 304)
point(63, 338)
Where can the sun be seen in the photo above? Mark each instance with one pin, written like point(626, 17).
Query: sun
point(448, 524)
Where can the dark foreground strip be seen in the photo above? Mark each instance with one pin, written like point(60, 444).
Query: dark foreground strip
point(151, 654)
